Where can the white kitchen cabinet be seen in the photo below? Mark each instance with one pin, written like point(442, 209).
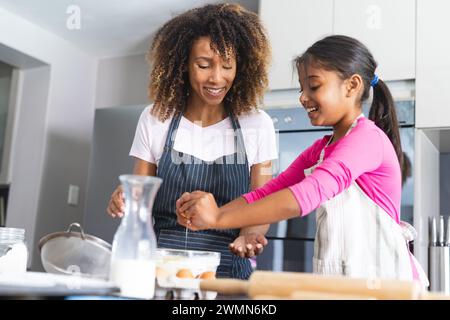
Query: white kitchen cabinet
point(293, 26)
point(386, 27)
point(433, 64)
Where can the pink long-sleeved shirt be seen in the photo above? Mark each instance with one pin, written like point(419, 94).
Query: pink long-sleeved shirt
point(365, 155)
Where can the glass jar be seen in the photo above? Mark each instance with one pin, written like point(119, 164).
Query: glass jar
point(13, 250)
point(133, 257)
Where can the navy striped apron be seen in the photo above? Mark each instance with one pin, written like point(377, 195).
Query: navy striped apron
point(226, 178)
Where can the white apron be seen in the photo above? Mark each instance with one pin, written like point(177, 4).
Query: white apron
point(357, 238)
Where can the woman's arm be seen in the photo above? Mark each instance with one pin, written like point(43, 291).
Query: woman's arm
point(144, 168)
point(260, 174)
point(251, 239)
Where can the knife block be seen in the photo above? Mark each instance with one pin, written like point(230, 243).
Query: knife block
point(439, 268)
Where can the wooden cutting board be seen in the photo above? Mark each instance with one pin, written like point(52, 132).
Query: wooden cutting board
point(288, 284)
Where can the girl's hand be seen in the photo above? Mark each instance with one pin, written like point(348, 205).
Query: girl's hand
point(248, 245)
point(197, 210)
point(116, 205)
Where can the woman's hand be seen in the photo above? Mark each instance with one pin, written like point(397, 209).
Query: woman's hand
point(197, 210)
point(248, 245)
point(116, 206)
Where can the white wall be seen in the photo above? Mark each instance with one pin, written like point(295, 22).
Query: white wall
point(58, 88)
point(27, 148)
point(122, 81)
point(426, 189)
point(58, 151)
point(5, 88)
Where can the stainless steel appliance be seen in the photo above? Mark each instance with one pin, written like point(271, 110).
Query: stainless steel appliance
point(114, 130)
point(439, 254)
point(291, 242)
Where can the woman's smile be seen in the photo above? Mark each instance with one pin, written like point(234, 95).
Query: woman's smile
point(215, 92)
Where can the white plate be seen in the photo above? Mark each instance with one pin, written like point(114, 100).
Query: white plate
point(47, 280)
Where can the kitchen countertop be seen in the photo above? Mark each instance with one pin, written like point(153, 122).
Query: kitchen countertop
point(38, 285)
point(61, 292)
point(24, 293)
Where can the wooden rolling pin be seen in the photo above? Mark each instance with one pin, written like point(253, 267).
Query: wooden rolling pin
point(284, 284)
point(312, 295)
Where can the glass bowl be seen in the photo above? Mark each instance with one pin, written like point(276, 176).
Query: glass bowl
point(186, 264)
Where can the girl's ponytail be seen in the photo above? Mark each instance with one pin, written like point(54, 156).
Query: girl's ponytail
point(382, 112)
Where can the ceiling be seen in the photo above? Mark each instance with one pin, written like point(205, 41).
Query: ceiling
point(107, 28)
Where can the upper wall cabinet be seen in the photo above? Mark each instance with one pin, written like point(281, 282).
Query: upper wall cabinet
point(292, 26)
point(433, 64)
point(386, 27)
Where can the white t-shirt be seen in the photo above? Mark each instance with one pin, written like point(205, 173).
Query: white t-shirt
point(206, 143)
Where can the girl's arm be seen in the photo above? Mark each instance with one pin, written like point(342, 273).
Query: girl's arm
point(278, 206)
point(201, 205)
point(358, 153)
point(198, 211)
point(246, 211)
point(292, 175)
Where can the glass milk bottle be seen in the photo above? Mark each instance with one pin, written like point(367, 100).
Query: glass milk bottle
point(13, 250)
point(134, 244)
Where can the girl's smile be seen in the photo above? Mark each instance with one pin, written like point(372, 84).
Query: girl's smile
point(328, 99)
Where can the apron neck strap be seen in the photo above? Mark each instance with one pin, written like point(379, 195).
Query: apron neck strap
point(173, 126)
point(238, 136)
point(354, 123)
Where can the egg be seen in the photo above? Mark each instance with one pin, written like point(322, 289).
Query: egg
point(208, 275)
point(161, 272)
point(185, 273)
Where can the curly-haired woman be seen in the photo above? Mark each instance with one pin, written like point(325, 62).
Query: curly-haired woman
point(204, 131)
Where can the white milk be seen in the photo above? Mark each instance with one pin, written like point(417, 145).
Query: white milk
point(135, 278)
point(15, 260)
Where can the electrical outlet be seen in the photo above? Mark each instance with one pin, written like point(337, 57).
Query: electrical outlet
point(72, 198)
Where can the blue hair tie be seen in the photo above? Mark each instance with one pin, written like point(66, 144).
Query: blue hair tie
point(374, 81)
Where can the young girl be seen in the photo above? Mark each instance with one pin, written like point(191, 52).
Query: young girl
point(353, 177)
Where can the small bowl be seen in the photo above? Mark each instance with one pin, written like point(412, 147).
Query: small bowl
point(170, 261)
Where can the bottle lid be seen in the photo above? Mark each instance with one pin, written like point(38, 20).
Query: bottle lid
point(12, 233)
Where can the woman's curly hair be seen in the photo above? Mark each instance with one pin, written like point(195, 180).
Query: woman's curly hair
point(230, 28)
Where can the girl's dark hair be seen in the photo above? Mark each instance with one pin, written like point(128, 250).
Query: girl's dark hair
point(232, 29)
point(348, 56)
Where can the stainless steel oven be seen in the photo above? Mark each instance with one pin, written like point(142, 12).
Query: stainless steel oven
point(291, 242)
